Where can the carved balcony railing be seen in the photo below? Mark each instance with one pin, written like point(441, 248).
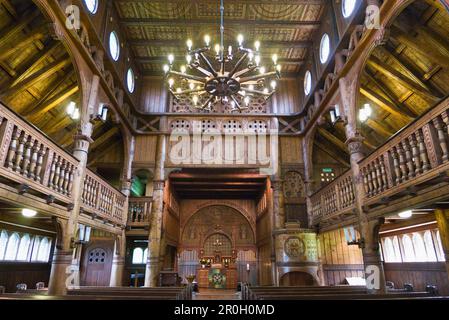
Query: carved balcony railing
point(139, 211)
point(415, 156)
point(103, 200)
point(32, 161)
point(335, 199)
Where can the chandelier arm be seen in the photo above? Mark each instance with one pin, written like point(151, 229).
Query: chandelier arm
point(187, 76)
point(237, 104)
point(203, 71)
point(258, 92)
point(209, 65)
point(204, 106)
point(237, 65)
point(186, 91)
point(257, 77)
point(244, 71)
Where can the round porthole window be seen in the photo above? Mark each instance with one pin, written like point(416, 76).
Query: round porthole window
point(130, 80)
point(92, 5)
point(308, 83)
point(348, 7)
point(325, 48)
point(114, 46)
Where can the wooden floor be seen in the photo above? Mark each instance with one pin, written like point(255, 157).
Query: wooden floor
point(217, 294)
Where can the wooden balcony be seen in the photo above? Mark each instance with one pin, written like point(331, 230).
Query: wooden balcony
point(334, 201)
point(410, 170)
point(31, 163)
point(139, 211)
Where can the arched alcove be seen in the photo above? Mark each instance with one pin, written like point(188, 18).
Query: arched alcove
point(297, 278)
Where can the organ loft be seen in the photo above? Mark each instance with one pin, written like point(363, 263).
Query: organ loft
point(224, 149)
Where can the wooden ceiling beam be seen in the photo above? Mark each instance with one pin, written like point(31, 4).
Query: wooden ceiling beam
point(406, 69)
point(227, 183)
point(53, 102)
point(217, 176)
point(159, 60)
point(331, 153)
point(104, 138)
point(9, 33)
point(333, 139)
point(10, 8)
point(142, 22)
point(299, 44)
point(93, 157)
point(390, 95)
point(37, 35)
point(384, 103)
point(38, 59)
point(379, 128)
point(394, 74)
point(420, 46)
point(214, 2)
point(38, 76)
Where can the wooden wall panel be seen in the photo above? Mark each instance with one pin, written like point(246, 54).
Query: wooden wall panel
point(11, 274)
point(145, 151)
point(154, 97)
point(286, 99)
point(419, 274)
point(338, 259)
point(93, 273)
point(264, 263)
point(291, 150)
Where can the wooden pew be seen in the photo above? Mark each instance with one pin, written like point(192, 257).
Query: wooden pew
point(177, 293)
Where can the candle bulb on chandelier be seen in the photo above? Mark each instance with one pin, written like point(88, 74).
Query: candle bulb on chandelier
point(207, 40)
point(191, 85)
point(257, 60)
point(230, 50)
point(189, 44)
point(257, 45)
point(171, 82)
point(183, 69)
point(217, 49)
point(275, 59)
point(262, 70)
point(166, 68)
point(171, 58)
point(240, 39)
point(188, 58)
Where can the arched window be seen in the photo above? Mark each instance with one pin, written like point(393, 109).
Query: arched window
point(24, 246)
point(409, 253)
point(347, 7)
point(92, 6)
point(388, 251)
point(430, 248)
point(13, 245)
point(44, 250)
point(420, 248)
point(137, 256)
point(397, 250)
point(114, 46)
point(130, 80)
point(145, 255)
point(440, 250)
point(36, 244)
point(325, 48)
point(308, 83)
point(3, 243)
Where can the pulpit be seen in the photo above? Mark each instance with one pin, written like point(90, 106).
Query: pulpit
point(217, 277)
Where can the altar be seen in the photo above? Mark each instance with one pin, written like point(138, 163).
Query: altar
point(217, 277)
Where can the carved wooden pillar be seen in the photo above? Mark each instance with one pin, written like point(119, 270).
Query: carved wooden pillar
point(278, 204)
point(118, 261)
point(153, 265)
point(62, 259)
point(369, 230)
point(443, 226)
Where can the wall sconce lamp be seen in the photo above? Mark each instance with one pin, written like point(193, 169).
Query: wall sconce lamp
point(83, 235)
point(351, 239)
point(102, 114)
point(336, 116)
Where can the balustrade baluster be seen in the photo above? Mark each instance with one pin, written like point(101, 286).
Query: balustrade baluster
point(423, 151)
point(13, 147)
point(70, 184)
point(57, 173)
point(33, 160)
point(397, 170)
point(378, 175)
point(52, 172)
point(438, 124)
point(415, 153)
point(61, 176)
point(383, 173)
point(409, 159)
point(26, 156)
point(19, 152)
point(40, 160)
point(402, 164)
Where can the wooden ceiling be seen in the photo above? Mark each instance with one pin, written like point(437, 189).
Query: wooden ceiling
point(38, 80)
point(217, 184)
point(158, 28)
point(402, 79)
point(409, 74)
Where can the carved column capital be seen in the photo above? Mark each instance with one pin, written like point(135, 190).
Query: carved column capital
point(355, 143)
point(158, 185)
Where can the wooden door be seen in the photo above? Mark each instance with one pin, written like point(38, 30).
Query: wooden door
point(97, 263)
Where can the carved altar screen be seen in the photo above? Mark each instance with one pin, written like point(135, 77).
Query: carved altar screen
point(218, 242)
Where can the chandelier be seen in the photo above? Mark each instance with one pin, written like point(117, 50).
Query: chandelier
point(210, 77)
